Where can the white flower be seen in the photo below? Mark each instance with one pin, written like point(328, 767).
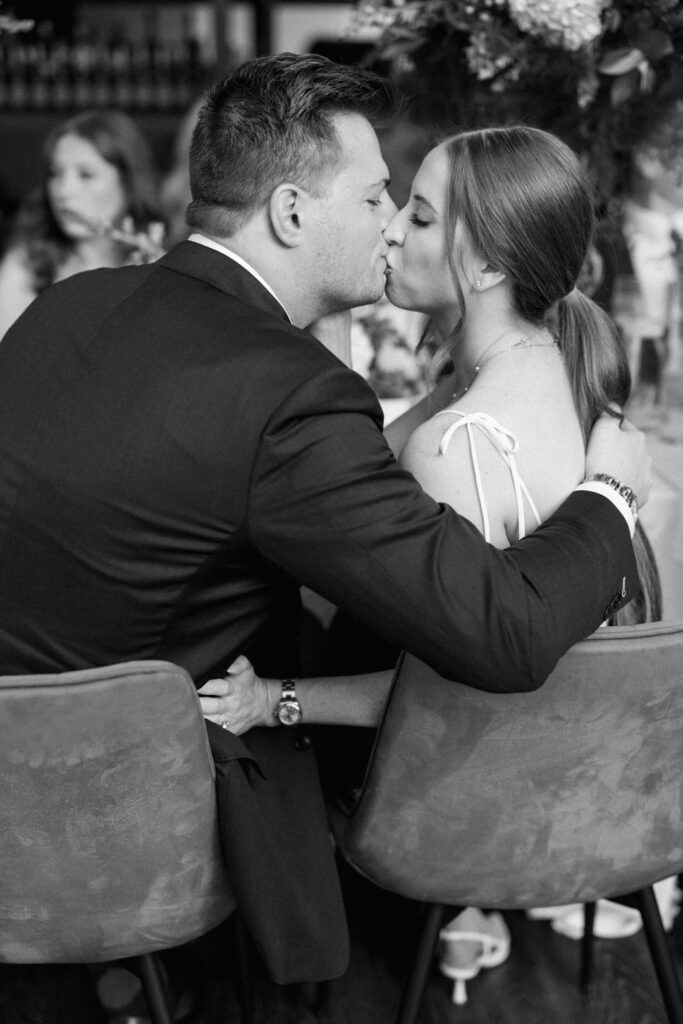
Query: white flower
point(569, 23)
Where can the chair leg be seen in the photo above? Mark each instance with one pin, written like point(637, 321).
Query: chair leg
point(154, 988)
point(245, 988)
point(318, 996)
point(664, 965)
point(587, 945)
point(417, 980)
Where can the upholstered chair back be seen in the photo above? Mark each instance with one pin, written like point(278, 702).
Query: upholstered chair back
point(109, 842)
point(565, 794)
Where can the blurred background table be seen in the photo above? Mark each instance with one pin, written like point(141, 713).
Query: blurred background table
point(662, 517)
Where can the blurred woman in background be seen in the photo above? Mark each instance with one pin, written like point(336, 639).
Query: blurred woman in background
point(95, 207)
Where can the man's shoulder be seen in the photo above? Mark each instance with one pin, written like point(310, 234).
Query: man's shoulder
point(78, 301)
point(95, 285)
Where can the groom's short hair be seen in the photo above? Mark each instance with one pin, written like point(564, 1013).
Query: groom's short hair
point(271, 121)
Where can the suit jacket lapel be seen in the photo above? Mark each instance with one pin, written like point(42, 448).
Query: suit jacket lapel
point(212, 267)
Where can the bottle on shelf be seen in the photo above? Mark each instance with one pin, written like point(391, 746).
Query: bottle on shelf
point(41, 70)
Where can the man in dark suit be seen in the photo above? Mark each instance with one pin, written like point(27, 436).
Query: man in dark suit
point(178, 454)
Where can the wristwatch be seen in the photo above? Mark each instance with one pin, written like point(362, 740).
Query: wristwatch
point(626, 493)
point(288, 710)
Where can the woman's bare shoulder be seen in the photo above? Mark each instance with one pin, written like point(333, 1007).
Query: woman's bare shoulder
point(422, 447)
point(17, 290)
point(457, 465)
point(548, 442)
point(15, 258)
point(439, 455)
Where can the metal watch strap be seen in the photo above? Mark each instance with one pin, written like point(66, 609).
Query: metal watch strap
point(625, 492)
point(288, 689)
point(288, 710)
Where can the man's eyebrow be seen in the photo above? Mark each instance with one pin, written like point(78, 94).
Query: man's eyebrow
point(425, 202)
point(382, 184)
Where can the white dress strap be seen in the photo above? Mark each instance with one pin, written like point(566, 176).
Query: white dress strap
point(505, 442)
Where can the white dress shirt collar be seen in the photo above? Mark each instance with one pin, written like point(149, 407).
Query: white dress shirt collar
point(196, 236)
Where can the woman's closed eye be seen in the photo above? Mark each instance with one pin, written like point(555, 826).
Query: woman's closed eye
point(418, 222)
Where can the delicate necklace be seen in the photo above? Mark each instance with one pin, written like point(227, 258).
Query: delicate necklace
point(483, 360)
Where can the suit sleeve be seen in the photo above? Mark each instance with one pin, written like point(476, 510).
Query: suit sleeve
point(329, 505)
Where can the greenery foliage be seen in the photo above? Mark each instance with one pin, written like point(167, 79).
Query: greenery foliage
point(589, 70)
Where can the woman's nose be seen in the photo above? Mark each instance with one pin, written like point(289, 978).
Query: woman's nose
point(394, 232)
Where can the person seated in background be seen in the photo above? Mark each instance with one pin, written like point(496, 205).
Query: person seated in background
point(652, 224)
point(95, 207)
point(532, 362)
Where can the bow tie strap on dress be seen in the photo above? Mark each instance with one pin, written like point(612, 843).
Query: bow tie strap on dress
point(506, 444)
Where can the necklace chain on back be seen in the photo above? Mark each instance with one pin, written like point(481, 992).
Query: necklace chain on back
point(485, 358)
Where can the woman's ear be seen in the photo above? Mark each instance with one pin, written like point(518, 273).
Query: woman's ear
point(487, 277)
point(284, 209)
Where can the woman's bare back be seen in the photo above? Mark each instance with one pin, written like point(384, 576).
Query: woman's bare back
point(527, 394)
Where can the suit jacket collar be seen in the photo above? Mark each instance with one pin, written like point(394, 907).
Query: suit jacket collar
point(212, 267)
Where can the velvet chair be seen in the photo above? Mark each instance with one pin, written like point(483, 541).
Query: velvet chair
point(109, 843)
point(509, 801)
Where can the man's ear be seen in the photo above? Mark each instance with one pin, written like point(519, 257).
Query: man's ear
point(284, 207)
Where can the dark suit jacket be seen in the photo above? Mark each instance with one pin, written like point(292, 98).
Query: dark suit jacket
point(175, 458)
point(278, 854)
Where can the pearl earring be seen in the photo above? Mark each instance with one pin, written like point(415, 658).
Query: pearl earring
point(478, 282)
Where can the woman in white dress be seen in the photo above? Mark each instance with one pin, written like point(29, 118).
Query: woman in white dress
point(489, 246)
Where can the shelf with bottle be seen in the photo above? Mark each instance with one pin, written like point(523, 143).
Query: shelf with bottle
point(39, 72)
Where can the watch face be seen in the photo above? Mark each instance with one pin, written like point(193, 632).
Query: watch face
point(289, 712)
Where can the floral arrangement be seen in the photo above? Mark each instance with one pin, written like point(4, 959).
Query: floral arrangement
point(390, 363)
point(573, 66)
point(143, 245)
point(602, 74)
